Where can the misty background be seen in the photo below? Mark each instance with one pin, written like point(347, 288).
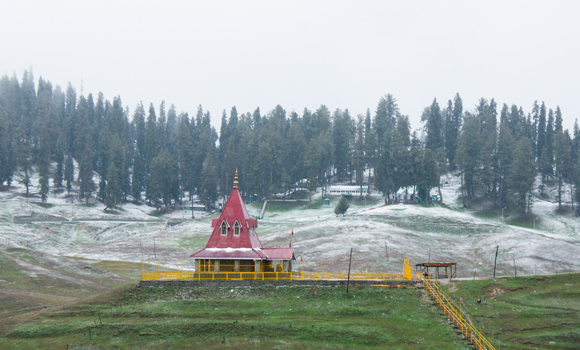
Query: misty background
point(301, 54)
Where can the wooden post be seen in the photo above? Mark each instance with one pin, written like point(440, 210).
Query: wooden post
point(515, 271)
point(154, 253)
point(495, 261)
point(348, 277)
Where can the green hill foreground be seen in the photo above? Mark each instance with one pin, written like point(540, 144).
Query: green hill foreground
point(255, 318)
point(98, 306)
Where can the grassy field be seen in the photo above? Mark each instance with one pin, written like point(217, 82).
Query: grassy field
point(535, 312)
point(254, 318)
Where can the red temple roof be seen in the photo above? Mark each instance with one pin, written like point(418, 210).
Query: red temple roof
point(246, 245)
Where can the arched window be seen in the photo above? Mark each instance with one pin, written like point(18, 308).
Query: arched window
point(236, 229)
point(224, 229)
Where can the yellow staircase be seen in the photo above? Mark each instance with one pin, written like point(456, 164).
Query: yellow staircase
point(456, 316)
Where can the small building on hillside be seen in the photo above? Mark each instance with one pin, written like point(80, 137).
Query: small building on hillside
point(234, 245)
point(347, 190)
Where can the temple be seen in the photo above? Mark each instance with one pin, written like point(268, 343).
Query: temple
point(234, 245)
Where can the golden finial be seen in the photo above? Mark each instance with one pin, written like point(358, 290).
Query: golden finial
point(236, 179)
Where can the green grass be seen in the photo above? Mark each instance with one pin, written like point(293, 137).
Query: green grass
point(526, 222)
point(535, 312)
point(234, 318)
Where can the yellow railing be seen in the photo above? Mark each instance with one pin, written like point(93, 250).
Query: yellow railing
point(456, 316)
point(310, 276)
point(406, 275)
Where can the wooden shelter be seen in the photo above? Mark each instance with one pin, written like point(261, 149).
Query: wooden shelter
point(234, 245)
point(435, 272)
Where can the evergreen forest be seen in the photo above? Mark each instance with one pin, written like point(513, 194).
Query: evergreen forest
point(160, 156)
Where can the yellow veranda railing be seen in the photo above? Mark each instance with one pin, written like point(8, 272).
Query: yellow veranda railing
point(406, 275)
point(312, 276)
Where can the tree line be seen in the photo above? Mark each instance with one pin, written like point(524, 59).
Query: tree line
point(161, 156)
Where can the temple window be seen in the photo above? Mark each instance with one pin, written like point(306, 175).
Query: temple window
point(224, 229)
point(236, 229)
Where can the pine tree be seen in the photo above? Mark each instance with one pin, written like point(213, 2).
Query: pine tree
point(69, 172)
point(163, 181)
point(208, 190)
point(294, 162)
point(342, 134)
point(140, 133)
point(59, 158)
point(558, 120)
point(359, 159)
point(152, 142)
point(370, 147)
point(434, 127)
point(185, 153)
point(541, 128)
point(5, 139)
point(162, 127)
point(342, 206)
point(521, 179)
point(451, 135)
point(43, 165)
point(312, 164)
point(562, 158)
point(113, 188)
point(86, 182)
point(24, 152)
point(70, 119)
point(139, 175)
point(505, 156)
point(385, 118)
point(468, 152)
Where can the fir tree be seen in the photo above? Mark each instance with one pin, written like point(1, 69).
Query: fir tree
point(342, 206)
point(521, 179)
point(152, 142)
point(434, 127)
point(468, 156)
point(24, 152)
point(562, 158)
point(113, 188)
point(504, 155)
point(69, 172)
point(43, 165)
point(342, 133)
point(138, 179)
point(312, 164)
point(5, 161)
point(208, 190)
point(86, 183)
point(359, 160)
point(59, 158)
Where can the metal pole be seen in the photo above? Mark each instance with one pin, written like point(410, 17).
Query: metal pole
point(495, 261)
point(515, 271)
point(348, 277)
point(154, 253)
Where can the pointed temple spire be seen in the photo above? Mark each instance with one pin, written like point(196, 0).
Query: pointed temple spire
point(234, 240)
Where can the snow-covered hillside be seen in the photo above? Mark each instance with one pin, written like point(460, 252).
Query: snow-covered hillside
point(437, 233)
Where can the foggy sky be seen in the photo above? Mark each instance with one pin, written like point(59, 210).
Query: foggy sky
point(298, 54)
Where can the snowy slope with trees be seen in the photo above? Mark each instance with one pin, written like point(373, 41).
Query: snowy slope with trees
point(86, 177)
